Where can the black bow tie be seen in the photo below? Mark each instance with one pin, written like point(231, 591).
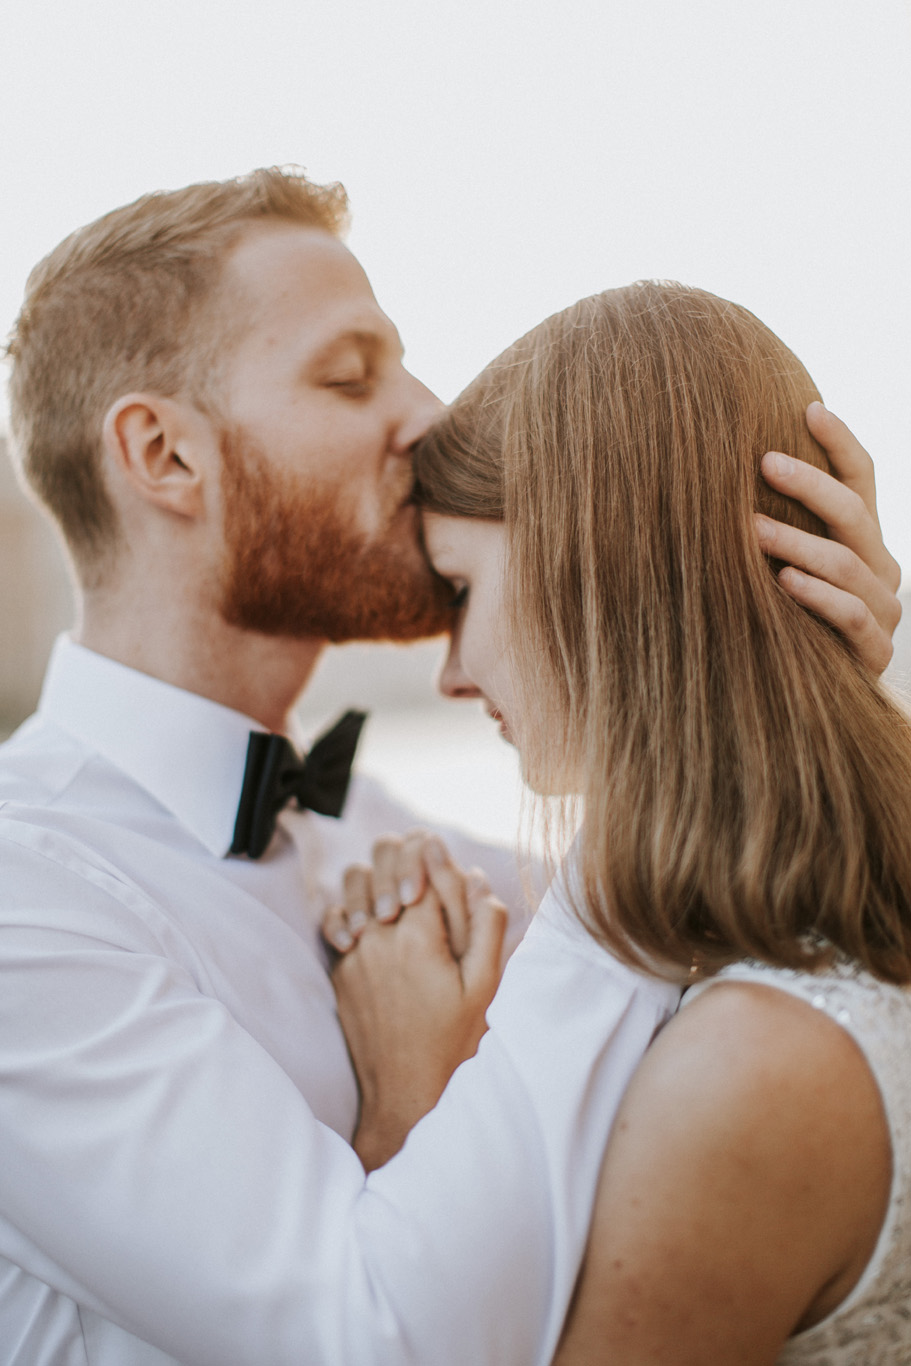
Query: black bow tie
point(275, 776)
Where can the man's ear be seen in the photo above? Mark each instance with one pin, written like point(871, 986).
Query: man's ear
point(158, 446)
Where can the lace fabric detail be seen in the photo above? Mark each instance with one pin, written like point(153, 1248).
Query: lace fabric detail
point(872, 1326)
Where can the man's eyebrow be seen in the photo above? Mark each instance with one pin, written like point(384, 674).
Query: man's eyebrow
point(365, 339)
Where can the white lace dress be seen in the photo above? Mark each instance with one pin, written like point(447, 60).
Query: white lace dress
point(872, 1326)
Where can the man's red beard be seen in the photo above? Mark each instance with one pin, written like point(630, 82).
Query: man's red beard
point(294, 566)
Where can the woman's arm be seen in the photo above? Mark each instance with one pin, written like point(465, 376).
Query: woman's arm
point(742, 1192)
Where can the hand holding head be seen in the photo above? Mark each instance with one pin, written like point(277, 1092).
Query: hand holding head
point(722, 733)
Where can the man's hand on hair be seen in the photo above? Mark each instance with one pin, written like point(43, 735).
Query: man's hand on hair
point(851, 579)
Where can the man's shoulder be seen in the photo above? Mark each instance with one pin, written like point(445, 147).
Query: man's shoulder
point(51, 790)
point(38, 763)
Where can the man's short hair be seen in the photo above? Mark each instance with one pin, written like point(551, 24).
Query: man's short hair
point(130, 302)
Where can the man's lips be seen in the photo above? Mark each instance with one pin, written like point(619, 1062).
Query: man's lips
point(408, 514)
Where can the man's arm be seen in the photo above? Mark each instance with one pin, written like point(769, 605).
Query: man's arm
point(162, 1171)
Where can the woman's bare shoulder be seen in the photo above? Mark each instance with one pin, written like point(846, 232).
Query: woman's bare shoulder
point(743, 1188)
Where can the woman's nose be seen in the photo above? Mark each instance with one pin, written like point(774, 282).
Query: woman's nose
point(453, 680)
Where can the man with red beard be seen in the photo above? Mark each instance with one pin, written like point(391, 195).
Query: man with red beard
point(208, 400)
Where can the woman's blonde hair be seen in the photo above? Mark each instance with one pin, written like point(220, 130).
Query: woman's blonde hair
point(747, 782)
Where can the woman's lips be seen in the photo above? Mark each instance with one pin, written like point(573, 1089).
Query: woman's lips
point(501, 723)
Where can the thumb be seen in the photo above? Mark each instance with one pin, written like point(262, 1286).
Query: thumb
point(480, 963)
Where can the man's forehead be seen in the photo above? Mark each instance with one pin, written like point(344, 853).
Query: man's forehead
point(306, 278)
point(278, 259)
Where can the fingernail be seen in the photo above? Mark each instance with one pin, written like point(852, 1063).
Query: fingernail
point(357, 920)
point(386, 907)
point(764, 526)
point(342, 941)
point(407, 891)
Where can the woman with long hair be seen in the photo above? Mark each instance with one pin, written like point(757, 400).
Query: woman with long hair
point(746, 788)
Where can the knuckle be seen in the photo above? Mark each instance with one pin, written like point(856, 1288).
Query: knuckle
point(858, 619)
point(836, 564)
point(844, 566)
point(854, 508)
point(893, 574)
point(854, 502)
point(415, 933)
point(450, 893)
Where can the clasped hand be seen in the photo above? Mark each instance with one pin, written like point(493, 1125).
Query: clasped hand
point(419, 945)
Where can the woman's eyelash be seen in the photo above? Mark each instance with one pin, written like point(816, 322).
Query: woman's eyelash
point(459, 599)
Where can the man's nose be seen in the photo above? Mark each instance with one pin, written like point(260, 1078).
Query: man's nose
point(419, 410)
point(453, 680)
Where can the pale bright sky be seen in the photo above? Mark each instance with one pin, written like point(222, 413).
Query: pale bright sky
point(505, 157)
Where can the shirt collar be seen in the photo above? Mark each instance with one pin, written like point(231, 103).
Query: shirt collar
point(186, 751)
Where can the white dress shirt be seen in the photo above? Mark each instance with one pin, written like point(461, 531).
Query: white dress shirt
point(175, 1092)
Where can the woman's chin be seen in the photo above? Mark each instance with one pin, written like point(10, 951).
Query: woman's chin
point(548, 783)
point(543, 779)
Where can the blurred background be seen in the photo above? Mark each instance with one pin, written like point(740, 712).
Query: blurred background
point(502, 159)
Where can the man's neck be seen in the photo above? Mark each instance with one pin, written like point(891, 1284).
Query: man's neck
point(258, 675)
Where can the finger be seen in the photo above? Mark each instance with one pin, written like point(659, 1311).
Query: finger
point(423, 930)
point(848, 614)
point(850, 461)
point(412, 873)
point(477, 885)
point(855, 469)
point(387, 856)
point(481, 961)
point(832, 561)
point(844, 510)
point(357, 884)
point(448, 881)
point(335, 930)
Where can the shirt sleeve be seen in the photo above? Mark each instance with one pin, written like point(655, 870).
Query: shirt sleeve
point(162, 1170)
